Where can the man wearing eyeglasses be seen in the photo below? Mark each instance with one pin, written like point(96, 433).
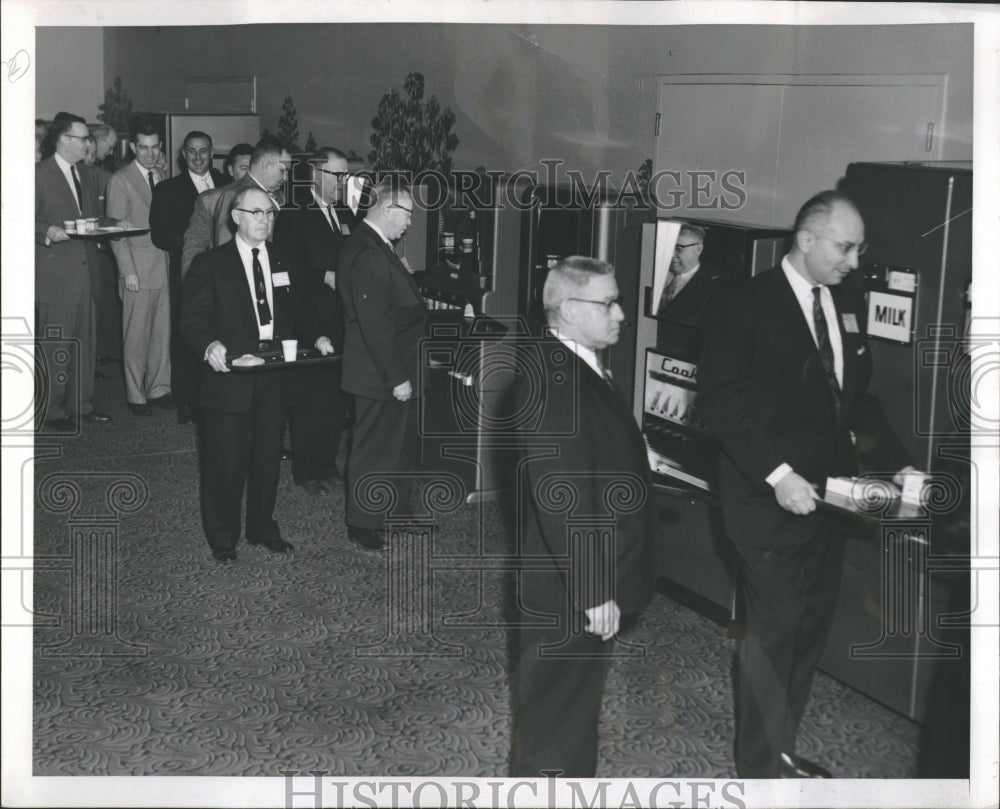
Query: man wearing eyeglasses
point(313, 231)
point(143, 284)
point(210, 223)
point(63, 270)
point(240, 298)
point(384, 321)
point(686, 292)
point(783, 380)
point(586, 523)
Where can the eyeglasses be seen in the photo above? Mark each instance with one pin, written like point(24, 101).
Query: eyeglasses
point(679, 247)
point(608, 305)
point(401, 208)
point(844, 247)
point(259, 215)
point(340, 175)
point(78, 137)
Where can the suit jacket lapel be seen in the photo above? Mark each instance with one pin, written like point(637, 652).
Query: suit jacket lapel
point(61, 187)
point(241, 290)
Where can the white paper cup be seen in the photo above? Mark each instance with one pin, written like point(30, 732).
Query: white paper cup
point(69, 225)
point(81, 225)
point(913, 486)
point(290, 349)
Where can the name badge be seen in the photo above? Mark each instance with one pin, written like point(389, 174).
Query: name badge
point(850, 322)
point(345, 231)
point(280, 279)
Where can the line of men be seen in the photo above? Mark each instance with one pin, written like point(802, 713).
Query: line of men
point(91, 298)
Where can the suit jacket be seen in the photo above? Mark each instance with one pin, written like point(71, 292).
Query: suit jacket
point(63, 269)
point(170, 212)
point(764, 395)
point(217, 305)
point(211, 224)
point(304, 232)
point(129, 197)
point(679, 329)
point(576, 433)
point(384, 317)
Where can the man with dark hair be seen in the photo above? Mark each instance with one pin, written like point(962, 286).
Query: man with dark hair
point(142, 273)
point(64, 308)
point(384, 321)
point(210, 223)
point(238, 160)
point(169, 214)
point(590, 560)
point(312, 232)
point(783, 380)
point(243, 411)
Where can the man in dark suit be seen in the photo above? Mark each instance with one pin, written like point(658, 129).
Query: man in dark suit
point(169, 214)
point(240, 299)
point(585, 519)
point(384, 321)
point(210, 224)
point(783, 382)
point(685, 293)
point(238, 161)
point(312, 232)
point(63, 298)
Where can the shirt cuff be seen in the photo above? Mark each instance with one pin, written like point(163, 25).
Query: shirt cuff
point(778, 474)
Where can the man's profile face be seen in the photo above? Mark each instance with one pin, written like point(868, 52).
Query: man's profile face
point(198, 156)
point(240, 166)
point(147, 150)
point(273, 171)
point(251, 217)
point(687, 253)
point(833, 243)
point(398, 214)
point(106, 144)
point(598, 325)
point(89, 152)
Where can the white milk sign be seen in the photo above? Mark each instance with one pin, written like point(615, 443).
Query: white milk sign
point(890, 316)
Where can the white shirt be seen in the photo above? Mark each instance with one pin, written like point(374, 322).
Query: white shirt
point(66, 169)
point(588, 355)
point(145, 173)
point(681, 279)
point(266, 332)
point(804, 295)
point(202, 183)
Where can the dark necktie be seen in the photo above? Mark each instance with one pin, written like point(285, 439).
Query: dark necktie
point(263, 310)
point(152, 183)
point(825, 349)
point(667, 294)
point(334, 221)
point(78, 187)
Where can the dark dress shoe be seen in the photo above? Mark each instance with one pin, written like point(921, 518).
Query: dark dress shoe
point(276, 545)
point(139, 409)
point(183, 414)
point(60, 426)
point(97, 417)
point(367, 538)
point(315, 487)
point(793, 766)
point(164, 402)
point(224, 556)
point(286, 454)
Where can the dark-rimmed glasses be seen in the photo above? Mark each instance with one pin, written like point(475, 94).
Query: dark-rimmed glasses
point(259, 215)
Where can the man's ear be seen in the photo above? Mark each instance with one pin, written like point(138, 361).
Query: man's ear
point(804, 240)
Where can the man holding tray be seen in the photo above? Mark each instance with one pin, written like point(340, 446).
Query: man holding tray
point(239, 299)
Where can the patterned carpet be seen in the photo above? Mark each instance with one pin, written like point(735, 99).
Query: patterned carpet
point(151, 659)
